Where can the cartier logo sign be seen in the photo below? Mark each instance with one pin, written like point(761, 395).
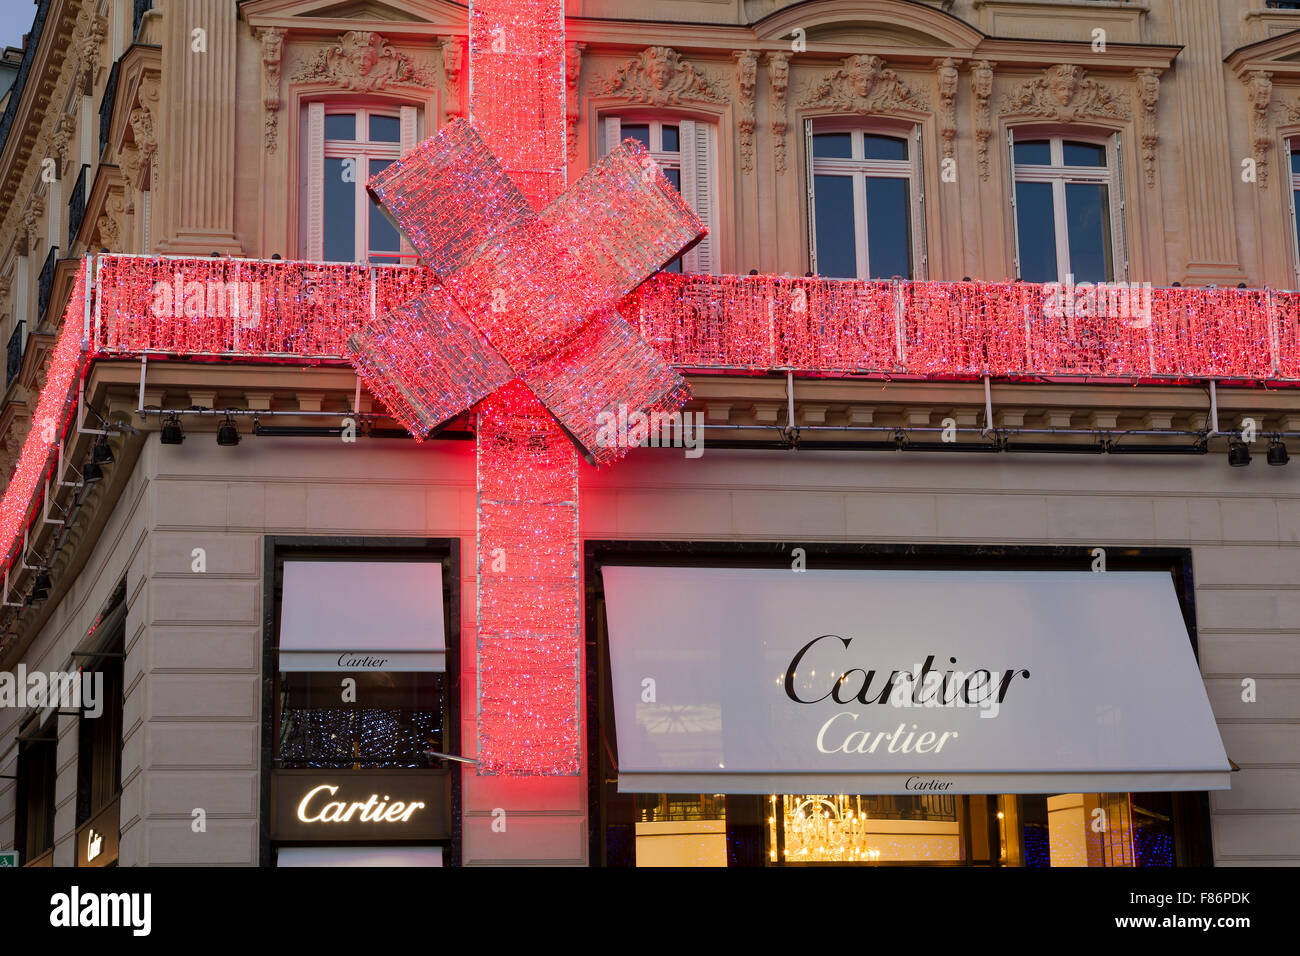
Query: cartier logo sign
point(357, 805)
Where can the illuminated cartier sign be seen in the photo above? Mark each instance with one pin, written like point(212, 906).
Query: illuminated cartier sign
point(342, 806)
point(95, 845)
point(373, 810)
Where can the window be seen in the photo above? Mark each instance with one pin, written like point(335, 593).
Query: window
point(864, 202)
point(1293, 164)
point(686, 151)
point(1066, 204)
point(34, 830)
point(344, 146)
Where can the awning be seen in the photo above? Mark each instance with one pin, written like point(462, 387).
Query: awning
point(362, 615)
point(905, 682)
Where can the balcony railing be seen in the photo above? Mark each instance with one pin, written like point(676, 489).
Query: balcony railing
point(106, 106)
point(45, 285)
point(77, 206)
point(14, 355)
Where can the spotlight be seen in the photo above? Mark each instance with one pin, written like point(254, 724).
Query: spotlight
point(172, 433)
point(101, 452)
point(227, 434)
point(40, 587)
point(1277, 454)
point(1238, 454)
point(91, 472)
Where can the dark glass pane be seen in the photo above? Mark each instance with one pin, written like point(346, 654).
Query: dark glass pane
point(1037, 232)
point(889, 229)
point(340, 221)
point(884, 147)
point(340, 126)
point(833, 145)
point(1084, 154)
point(383, 235)
point(833, 206)
point(636, 131)
point(396, 717)
point(1295, 197)
point(672, 139)
point(1087, 216)
point(385, 129)
point(674, 176)
point(1295, 157)
point(1037, 152)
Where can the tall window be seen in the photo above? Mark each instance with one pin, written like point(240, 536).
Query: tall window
point(686, 151)
point(864, 202)
point(1293, 164)
point(1067, 209)
point(344, 145)
point(37, 763)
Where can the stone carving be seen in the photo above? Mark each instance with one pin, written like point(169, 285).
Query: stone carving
point(1260, 85)
point(33, 216)
point(453, 57)
point(272, 54)
point(660, 77)
point(64, 132)
point(863, 85)
point(948, 106)
point(746, 80)
point(1065, 93)
point(778, 72)
point(1149, 95)
point(366, 62)
point(981, 87)
point(110, 222)
point(91, 30)
point(141, 119)
point(572, 104)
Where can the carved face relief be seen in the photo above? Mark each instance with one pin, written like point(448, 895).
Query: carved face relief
point(1261, 88)
point(1064, 83)
point(658, 68)
point(864, 71)
point(948, 80)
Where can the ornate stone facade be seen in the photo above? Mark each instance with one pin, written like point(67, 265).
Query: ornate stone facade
point(658, 76)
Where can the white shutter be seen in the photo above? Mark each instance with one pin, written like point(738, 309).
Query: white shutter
point(699, 170)
point(87, 136)
point(613, 134)
point(1118, 212)
point(409, 134)
point(812, 212)
point(146, 222)
point(313, 198)
point(1015, 219)
point(920, 245)
point(20, 295)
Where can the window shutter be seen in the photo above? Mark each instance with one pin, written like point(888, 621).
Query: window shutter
point(613, 134)
point(146, 222)
point(1015, 219)
point(920, 245)
point(314, 182)
point(1118, 212)
point(698, 176)
point(812, 206)
point(408, 127)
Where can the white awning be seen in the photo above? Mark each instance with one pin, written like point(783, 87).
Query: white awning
point(362, 615)
point(905, 682)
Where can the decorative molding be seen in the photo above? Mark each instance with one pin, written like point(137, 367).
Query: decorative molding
point(272, 55)
point(946, 76)
point(572, 102)
point(1148, 82)
point(64, 132)
point(1065, 93)
point(364, 61)
point(778, 72)
point(981, 87)
point(863, 85)
point(746, 81)
point(660, 77)
point(110, 222)
point(1260, 84)
point(453, 59)
point(91, 31)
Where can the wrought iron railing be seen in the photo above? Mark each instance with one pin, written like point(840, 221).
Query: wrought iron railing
point(77, 206)
point(14, 354)
point(106, 106)
point(45, 285)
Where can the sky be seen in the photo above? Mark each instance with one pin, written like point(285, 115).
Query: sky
point(16, 18)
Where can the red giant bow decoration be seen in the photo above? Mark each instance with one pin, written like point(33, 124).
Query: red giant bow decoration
point(524, 295)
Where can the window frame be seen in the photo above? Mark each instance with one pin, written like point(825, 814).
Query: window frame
point(316, 149)
point(1289, 145)
point(860, 169)
point(37, 744)
point(1059, 175)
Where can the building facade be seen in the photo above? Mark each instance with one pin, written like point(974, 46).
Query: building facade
point(1041, 140)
